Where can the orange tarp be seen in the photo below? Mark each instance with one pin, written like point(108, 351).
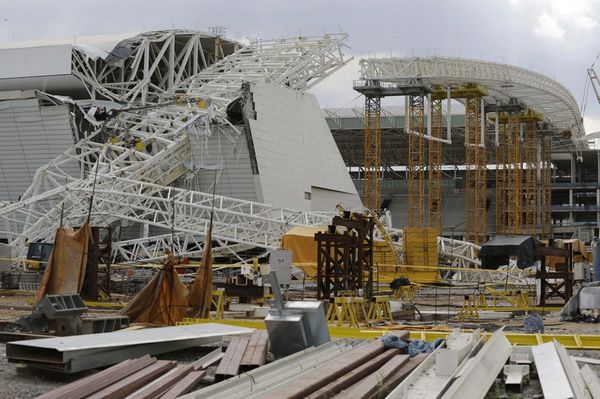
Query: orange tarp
point(163, 301)
point(65, 271)
point(200, 296)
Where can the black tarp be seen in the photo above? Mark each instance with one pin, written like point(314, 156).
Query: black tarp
point(496, 252)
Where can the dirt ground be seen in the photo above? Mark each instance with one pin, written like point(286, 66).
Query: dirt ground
point(20, 382)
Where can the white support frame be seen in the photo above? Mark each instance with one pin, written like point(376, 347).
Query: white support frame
point(501, 82)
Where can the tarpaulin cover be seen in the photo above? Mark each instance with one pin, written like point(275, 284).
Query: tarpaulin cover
point(65, 271)
point(496, 252)
point(163, 301)
point(200, 296)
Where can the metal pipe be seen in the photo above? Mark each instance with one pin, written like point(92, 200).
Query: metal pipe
point(449, 114)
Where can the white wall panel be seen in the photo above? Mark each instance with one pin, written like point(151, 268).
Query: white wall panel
point(30, 136)
point(323, 200)
point(295, 149)
point(35, 61)
point(231, 157)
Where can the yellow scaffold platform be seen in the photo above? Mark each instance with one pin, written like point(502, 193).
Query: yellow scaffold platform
point(570, 341)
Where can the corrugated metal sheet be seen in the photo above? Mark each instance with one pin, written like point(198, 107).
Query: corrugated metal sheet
point(31, 135)
point(236, 179)
point(294, 148)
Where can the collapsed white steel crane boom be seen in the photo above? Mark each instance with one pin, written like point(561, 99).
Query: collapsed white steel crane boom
point(134, 185)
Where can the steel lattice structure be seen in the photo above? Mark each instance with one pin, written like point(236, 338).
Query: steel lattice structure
point(501, 83)
point(129, 184)
point(129, 161)
point(476, 167)
point(434, 167)
point(372, 150)
point(416, 163)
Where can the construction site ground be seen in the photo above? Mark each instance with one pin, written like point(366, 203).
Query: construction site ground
point(20, 382)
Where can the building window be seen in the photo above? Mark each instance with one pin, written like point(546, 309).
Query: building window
point(306, 195)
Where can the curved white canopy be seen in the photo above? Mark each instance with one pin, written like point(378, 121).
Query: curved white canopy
point(501, 82)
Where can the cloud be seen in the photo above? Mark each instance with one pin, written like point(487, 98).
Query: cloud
point(556, 19)
point(548, 27)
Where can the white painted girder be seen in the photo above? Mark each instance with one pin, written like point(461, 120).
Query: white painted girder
point(133, 185)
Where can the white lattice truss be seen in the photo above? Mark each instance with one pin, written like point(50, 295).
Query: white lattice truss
point(501, 82)
point(133, 185)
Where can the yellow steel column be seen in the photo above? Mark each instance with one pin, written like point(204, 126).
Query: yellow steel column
point(435, 166)
point(501, 175)
point(416, 166)
point(372, 153)
point(514, 195)
point(476, 173)
point(530, 203)
point(546, 177)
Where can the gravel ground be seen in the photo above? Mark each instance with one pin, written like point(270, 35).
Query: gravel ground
point(24, 383)
point(19, 383)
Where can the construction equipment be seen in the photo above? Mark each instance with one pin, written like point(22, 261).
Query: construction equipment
point(37, 255)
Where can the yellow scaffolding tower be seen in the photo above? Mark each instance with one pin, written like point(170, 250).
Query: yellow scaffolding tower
point(372, 152)
point(501, 176)
point(416, 165)
point(435, 165)
point(546, 194)
point(530, 199)
point(476, 172)
point(514, 192)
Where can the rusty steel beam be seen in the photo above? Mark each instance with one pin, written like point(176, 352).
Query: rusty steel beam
point(299, 388)
point(135, 381)
point(184, 386)
point(368, 386)
point(354, 376)
point(230, 364)
point(162, 384)
point(98, 381)
point(256, 351)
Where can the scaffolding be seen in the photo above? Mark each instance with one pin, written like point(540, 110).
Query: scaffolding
point(514, 191)
point(434, 167)
point(476, 171)
point(546, 191)
point(372, 149)
point(530, 199)
point(501, 178)
point(416, 164)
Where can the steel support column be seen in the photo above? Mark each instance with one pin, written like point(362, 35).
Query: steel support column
point(372, 149)
point(531, 168)
point(435, 165)
point(476, 176)
point(416, 164)
point(501, 178)
point(546, 177)
point(514, 195)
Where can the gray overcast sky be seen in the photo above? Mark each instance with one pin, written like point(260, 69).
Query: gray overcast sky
point(554, 37)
